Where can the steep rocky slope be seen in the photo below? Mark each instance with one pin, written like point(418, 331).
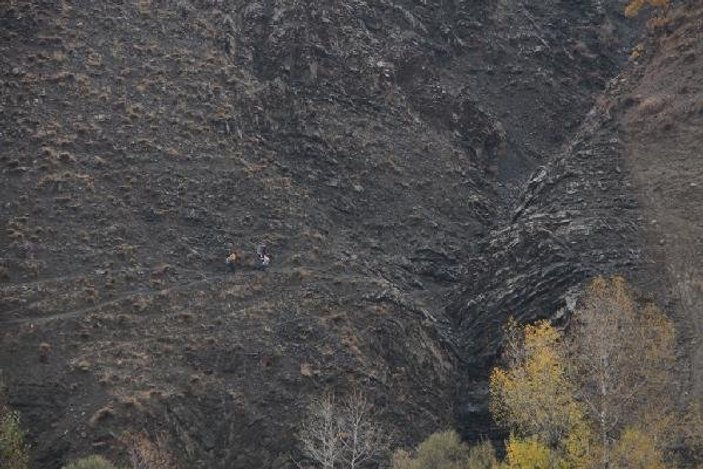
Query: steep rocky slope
point(661, 107)
point(622, 197)
point(380, 148)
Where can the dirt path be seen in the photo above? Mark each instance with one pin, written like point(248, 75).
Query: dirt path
point(175, 288)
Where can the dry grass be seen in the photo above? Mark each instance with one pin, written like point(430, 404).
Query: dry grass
point(147, 454)
point(653, 104)
point(101, 415)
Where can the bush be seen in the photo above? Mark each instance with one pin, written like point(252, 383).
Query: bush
point(482, 456)
point(443, 450)
point(13, 450)
point(91, 462)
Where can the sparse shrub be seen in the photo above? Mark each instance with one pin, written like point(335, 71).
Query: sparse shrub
point(33, 267)
point(637, 51)
point(147, 454)
point(634, 7)
point(91, 462)
point(13, 450)
point(482, 456)
point(101, 415)
point(82, 365)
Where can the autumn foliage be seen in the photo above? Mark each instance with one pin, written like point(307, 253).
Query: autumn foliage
point(600, 394)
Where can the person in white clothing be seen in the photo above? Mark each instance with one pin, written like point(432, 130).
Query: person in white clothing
point(265, 261)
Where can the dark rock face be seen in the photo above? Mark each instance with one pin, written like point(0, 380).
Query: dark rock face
point(384, 150)
point(578, 218)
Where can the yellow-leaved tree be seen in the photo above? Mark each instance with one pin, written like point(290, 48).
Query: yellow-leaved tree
point(523, 453)
point(534, 397)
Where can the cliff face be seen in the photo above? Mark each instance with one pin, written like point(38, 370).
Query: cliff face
point(419, 170)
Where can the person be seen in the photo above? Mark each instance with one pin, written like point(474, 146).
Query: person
point(232, 261)
point(262, 253)
point(265, 261)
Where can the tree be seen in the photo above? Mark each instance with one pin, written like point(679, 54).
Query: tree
point(320, 433)
point(621, 359)
point(533, 395)
point(362, 440)
point(591, 394)
point(529, 453)
point(636, 450)
point(342, 433)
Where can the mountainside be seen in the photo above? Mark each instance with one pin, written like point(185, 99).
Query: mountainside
point(622, 197)
point(419, 170)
